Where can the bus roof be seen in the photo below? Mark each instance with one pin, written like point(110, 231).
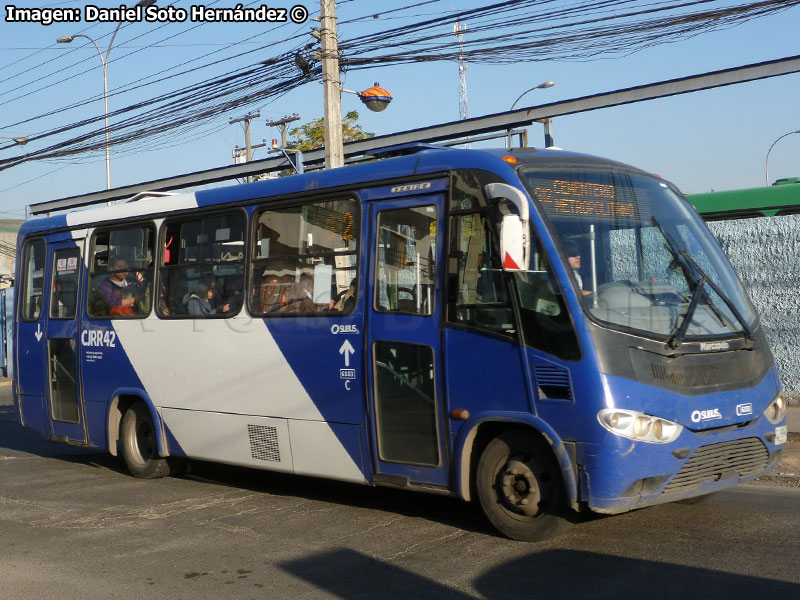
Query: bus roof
point(771, 200)
point(426, 160)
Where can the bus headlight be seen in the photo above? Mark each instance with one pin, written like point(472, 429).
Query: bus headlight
point(638, 426)
point(776, 410)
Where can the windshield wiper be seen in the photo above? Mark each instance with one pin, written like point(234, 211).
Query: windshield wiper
point(748, 334)
point(677, 337)
point(685, 259)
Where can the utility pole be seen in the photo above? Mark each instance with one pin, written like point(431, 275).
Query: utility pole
point(282, 124)
point(239, 153)
point(248, 148)
point(331, 86)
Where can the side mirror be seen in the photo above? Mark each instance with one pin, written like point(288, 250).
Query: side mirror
point(512, 244)
point(514, 238)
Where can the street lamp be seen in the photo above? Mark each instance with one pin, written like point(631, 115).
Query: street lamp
point(19, 141)
point(375, 98)
point(541, 86)
point(66, 39)
point(547, 122)
point(766, 161)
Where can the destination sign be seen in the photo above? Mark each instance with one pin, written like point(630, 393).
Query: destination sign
point(581, 198)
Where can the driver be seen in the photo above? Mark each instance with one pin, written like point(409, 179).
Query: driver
point(574, 260)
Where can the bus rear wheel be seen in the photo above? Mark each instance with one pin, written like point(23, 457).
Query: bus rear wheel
point(139, 446)
point(520, 490)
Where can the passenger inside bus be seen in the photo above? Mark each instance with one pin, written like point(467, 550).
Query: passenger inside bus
point(235, 297)
point(201, 301)
point(346, 301)
point(302, 299)
point(271, 294)
point(111, 290)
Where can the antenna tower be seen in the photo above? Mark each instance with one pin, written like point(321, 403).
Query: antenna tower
point(459, 29)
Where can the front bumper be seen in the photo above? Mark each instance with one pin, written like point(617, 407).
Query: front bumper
point(619, 474)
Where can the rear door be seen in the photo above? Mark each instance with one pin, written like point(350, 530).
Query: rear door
point(404, 343)
point(31, 345)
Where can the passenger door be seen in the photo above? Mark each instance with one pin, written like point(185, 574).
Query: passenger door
point(404, 315)
point(30, 345)
point(62, 334)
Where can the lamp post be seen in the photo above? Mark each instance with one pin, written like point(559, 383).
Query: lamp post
point(66, 39)
point(19, 141)
point(541, 86)
point(548, 123)
point(766, 161)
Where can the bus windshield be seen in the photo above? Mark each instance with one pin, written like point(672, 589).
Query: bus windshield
point(640, 257)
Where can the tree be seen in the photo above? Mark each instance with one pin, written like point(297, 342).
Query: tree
point(312, 134)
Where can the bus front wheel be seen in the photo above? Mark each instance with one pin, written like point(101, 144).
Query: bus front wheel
point(139, 447)
point(520, 490)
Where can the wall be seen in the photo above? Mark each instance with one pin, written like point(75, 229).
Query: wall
point(766, 254)
point(8, 240)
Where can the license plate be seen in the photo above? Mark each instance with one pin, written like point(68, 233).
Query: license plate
point(780, 435)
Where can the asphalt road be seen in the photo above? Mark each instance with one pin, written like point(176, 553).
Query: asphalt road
point(74, 525)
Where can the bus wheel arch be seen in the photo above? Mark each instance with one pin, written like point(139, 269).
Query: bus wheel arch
point(116, 410)
point(511, 469)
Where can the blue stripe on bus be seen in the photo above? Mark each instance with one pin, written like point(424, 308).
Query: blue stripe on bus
point(312, 350)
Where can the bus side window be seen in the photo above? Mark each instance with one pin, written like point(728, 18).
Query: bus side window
point(476, 288)
point(201, 273)
point(64, 297)
point(546, 321)
point(121, 272)
point(304, 259)
point(33, 281)
point(406, 263)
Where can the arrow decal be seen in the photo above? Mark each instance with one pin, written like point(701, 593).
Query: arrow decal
point(347, 349)
point(39, 333)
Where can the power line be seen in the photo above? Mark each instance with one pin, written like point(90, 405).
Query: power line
point(585, 29)
point(131, 86)
point(149, 31)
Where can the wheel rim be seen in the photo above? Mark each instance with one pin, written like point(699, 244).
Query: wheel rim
point(519, 487)
point(145, 441)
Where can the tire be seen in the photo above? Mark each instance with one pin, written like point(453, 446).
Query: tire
point(139, 446)
point(520, 488)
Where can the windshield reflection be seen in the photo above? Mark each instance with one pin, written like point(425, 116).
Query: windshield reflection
point(640, 257)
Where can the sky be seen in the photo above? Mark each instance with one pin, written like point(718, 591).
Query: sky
point(711, 140)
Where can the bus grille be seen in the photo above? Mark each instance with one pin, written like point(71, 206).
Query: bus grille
point(264, 443)
point(720, 461)
point(692, 376)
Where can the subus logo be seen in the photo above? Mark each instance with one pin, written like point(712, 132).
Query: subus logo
point(706, 415)
point(337, 329)
point(95, 337)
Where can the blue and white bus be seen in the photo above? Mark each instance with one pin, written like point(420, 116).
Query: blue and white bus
point(541, 331)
